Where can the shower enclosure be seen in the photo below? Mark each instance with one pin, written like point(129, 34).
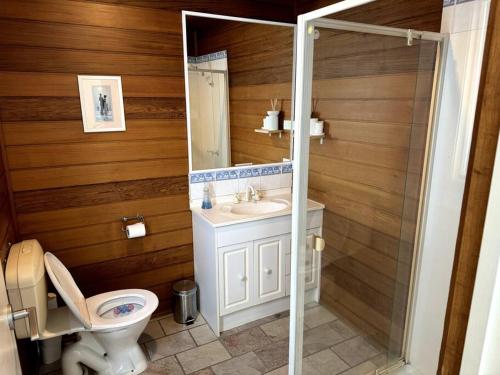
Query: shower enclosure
point(209, 118)
point(375, 88)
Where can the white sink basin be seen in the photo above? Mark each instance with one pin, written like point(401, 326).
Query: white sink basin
point(262, 207)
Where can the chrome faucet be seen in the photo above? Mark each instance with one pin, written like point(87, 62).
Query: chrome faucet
point(251, 194)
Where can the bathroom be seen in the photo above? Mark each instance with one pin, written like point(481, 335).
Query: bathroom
point(378, 112)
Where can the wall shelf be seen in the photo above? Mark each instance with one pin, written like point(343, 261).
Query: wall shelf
point(270, 132)
point(321, 137)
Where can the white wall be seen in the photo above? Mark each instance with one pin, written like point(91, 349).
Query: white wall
point(466, 24)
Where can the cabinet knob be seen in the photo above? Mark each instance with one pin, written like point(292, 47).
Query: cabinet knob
point(268, 271)
point(242, 277)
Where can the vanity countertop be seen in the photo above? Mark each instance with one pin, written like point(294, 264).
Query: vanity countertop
point(224, 212)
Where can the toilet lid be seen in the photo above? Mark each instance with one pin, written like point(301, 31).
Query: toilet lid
point(67, 288)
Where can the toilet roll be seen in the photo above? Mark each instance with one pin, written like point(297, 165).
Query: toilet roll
point(136, 230)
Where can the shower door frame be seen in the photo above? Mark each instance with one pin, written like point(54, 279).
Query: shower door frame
point(303, 96)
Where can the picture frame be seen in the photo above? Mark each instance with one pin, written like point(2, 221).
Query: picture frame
point(101, 101)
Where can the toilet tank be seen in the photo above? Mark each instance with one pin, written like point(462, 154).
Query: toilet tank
point(26, 285)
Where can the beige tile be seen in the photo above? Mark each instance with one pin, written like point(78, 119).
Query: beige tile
point(169, 345)
point(320, 338)
point(246, 341)
point(274, 355)
point(325, 362)
point(170, 326)
point(380, 360)
point(317, 316)
point(168, 365)
point(205, 371)
point(247, 364)
point(365, 368)
point(343, 329)
point(202, 334)
point(279, 371)
point(277, 329)
point(153, 331)
point(249, 325)
point(356, 350)
point(203, 356)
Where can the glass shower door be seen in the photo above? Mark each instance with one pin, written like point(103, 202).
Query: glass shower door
point(365, 109)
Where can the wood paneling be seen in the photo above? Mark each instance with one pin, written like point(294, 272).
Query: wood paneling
point(477, 187)
point(70, 189)
point(373, 93)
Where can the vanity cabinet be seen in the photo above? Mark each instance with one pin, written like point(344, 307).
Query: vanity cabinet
point(243, 269)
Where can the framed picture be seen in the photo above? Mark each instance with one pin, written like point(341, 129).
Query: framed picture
point(102, 103)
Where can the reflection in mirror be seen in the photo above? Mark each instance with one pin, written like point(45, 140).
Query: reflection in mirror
point(240, 91)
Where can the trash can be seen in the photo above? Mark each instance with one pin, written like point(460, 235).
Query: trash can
point(185, 304)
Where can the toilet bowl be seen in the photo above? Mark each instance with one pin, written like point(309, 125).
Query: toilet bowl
point(115, 319)
point(108, 324)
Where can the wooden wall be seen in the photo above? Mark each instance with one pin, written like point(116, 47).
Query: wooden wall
point(69, 188)
point(7, 224)
point(260, 64)
point(373, 93)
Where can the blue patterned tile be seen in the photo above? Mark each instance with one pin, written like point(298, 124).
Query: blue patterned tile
point(287, 168)
point(228, 174)
point(202, 177)
point(463, 1)
point(447, 3)
point(267, 171)
point(249, 172)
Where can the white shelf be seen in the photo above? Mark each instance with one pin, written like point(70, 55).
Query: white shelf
point(270, 132)
point(321, 137)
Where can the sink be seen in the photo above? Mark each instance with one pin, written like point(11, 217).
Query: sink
point(262, 207)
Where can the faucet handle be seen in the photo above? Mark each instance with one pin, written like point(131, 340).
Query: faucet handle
point(236, 198)
point(257, 196)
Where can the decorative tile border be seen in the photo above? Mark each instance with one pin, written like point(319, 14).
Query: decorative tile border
point(447, 3)
point(210, 57)
point(287, 168)
point(235, 173)
point(202, 177)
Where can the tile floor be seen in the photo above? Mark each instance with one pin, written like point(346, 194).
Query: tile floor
point(331, 346)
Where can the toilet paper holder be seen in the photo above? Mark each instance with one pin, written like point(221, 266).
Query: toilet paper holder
point(125, 219)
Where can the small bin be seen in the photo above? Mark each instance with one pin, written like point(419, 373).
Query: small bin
point(185, 302)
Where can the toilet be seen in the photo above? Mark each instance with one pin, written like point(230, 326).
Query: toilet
point(109, 324)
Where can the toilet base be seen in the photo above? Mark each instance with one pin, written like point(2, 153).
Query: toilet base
point(88, 352)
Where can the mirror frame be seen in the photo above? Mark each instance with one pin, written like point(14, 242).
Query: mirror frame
point(185, 14)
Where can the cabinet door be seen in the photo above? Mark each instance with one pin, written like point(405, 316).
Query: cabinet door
point(269, 257)
point(235, 277)
point(312, 261)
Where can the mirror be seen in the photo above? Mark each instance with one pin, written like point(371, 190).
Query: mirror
point(239, 90)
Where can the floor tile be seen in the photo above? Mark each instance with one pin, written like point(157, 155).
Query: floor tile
point(356, 350)
point(325, 362)
point(205, 371)
point(247, 364)
point(278, 329)
point(320, 338)
point(152, 331)
point(317, 316)
point(274, 355)
point(246, 341)
point(365, 368)
point(168, 365)
point(202, 334)
point(170, 326)
point(203, 356)
point(279, 371)
point(249, 325)
point(342, 329)
point(169, 345)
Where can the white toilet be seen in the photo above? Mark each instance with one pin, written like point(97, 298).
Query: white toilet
point(109, 323)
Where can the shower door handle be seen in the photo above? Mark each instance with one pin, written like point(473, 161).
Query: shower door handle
point(319, 243)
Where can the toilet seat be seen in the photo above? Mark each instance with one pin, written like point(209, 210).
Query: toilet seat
point(87, 310)
point(149, 304)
